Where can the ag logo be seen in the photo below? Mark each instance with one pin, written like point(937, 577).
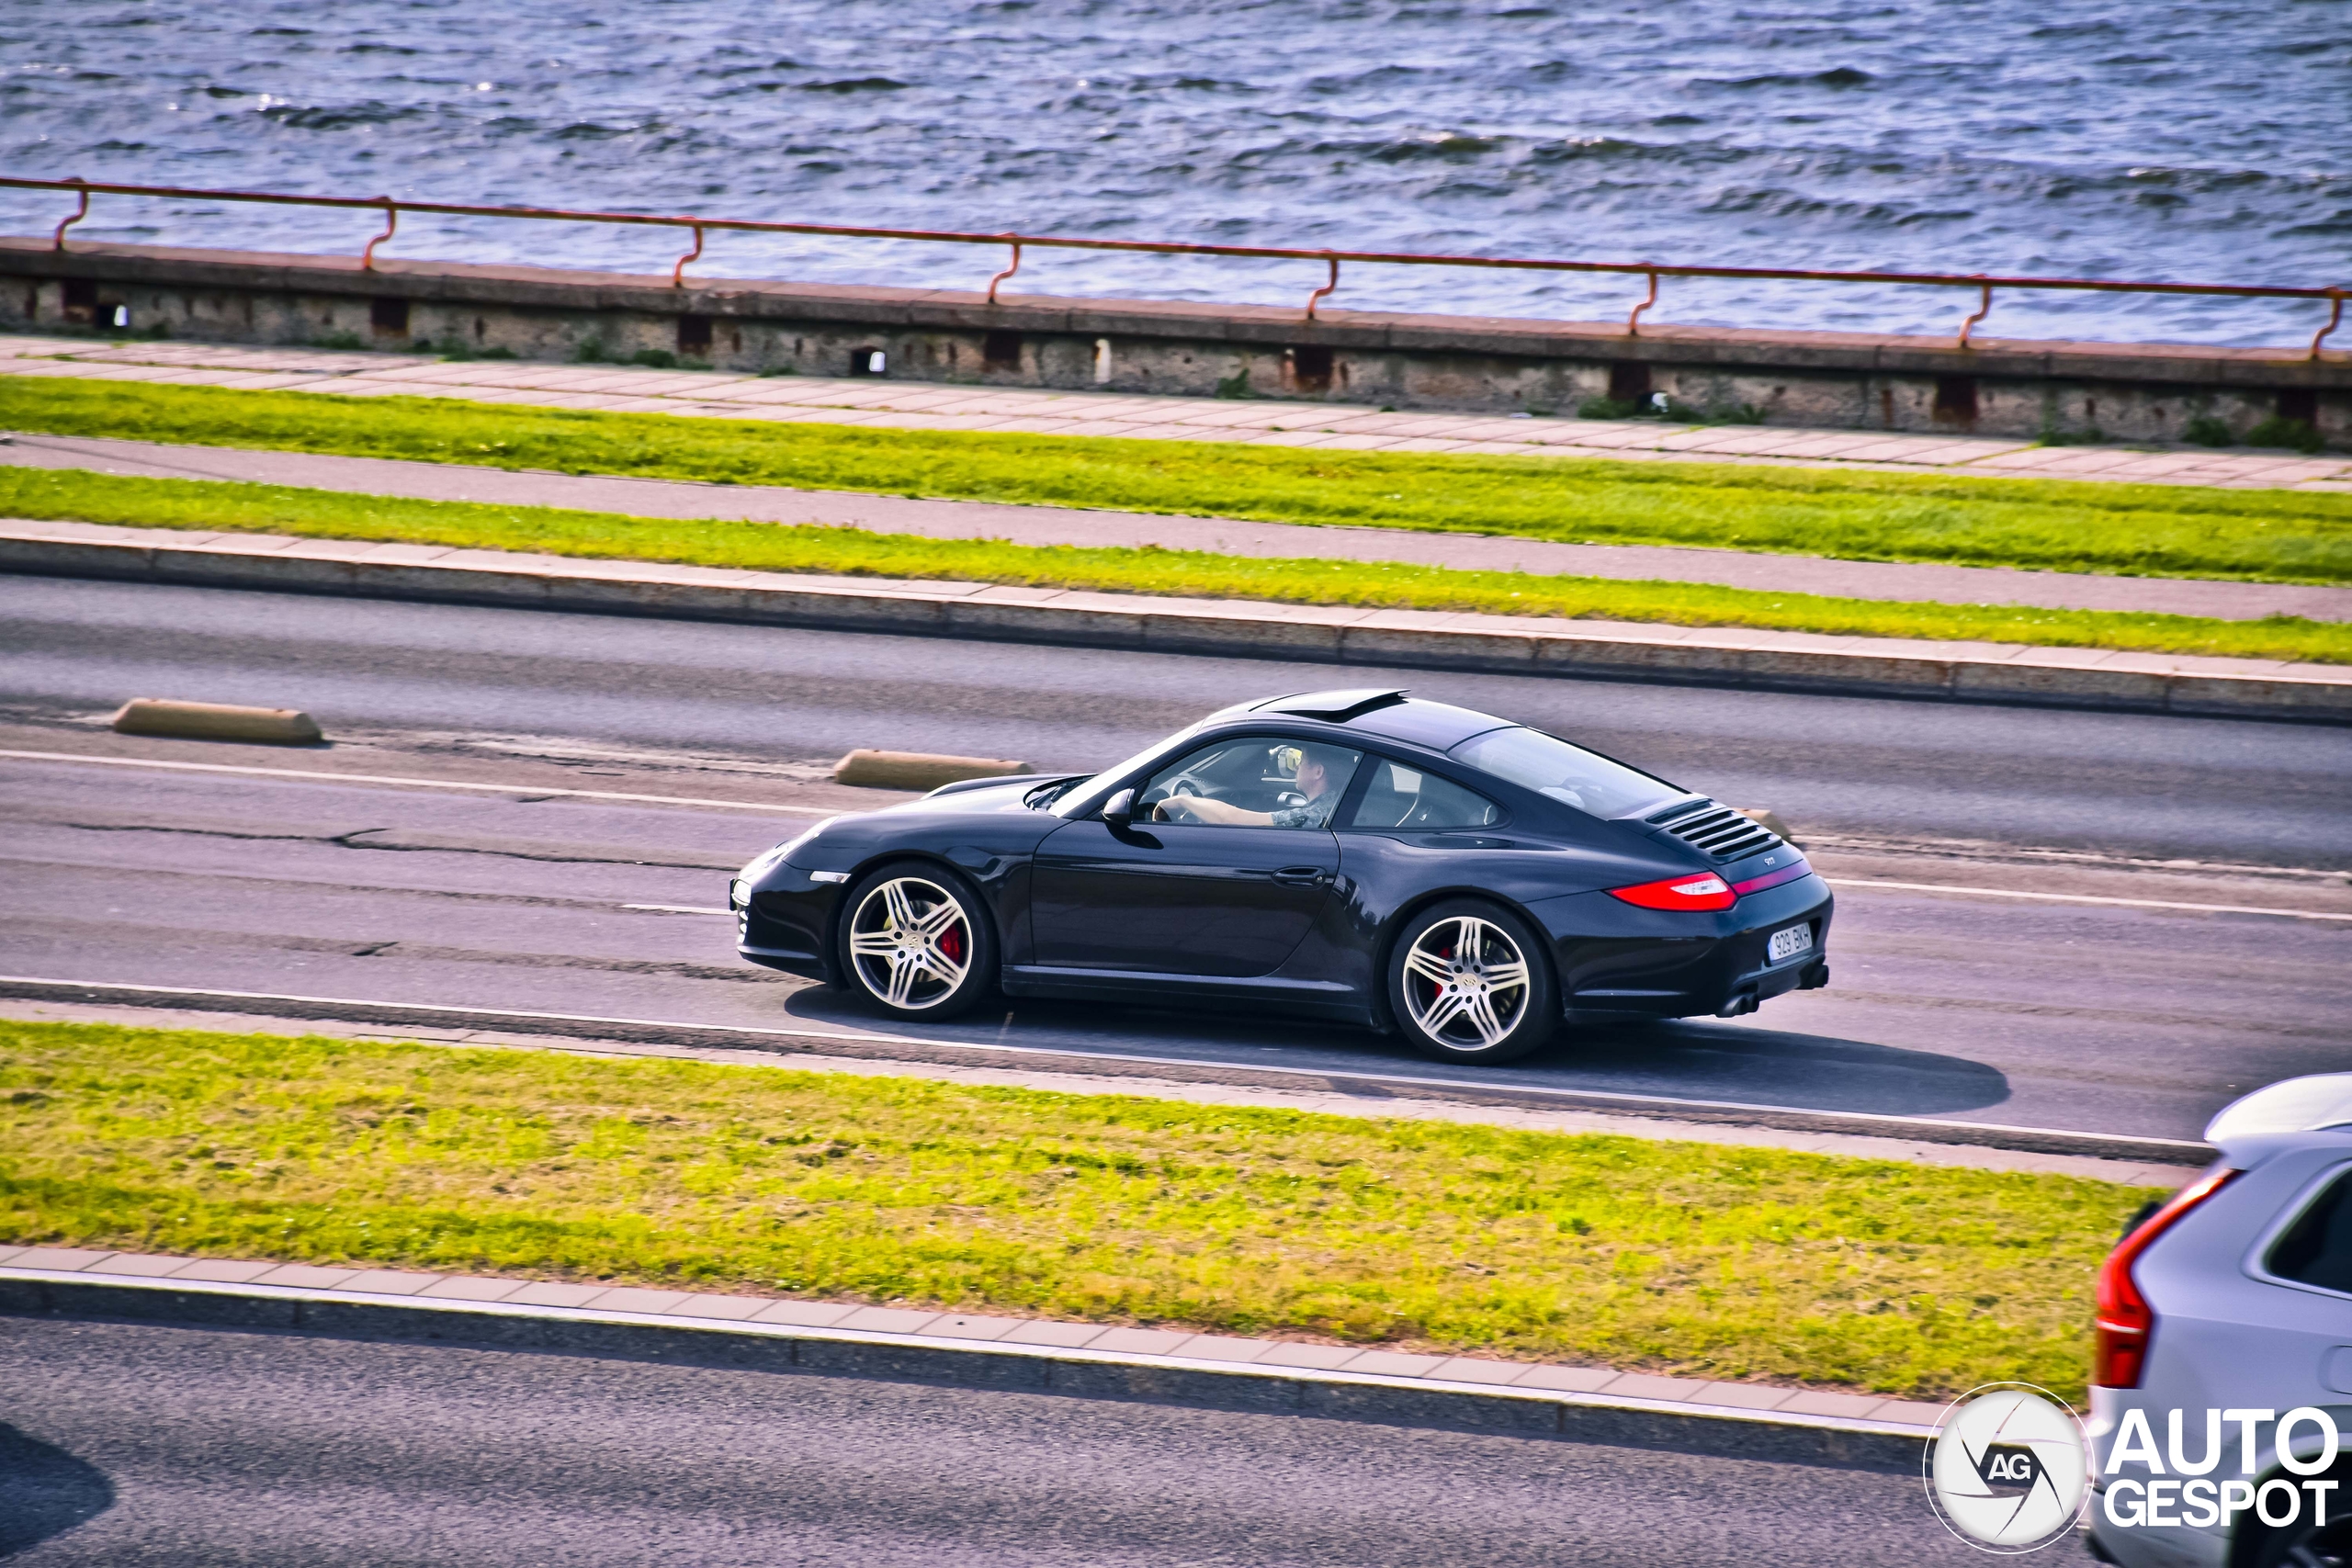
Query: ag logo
point(2008, 1471)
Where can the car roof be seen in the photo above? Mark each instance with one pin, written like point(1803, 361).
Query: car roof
point(2315, 1103)
point(1387, 710)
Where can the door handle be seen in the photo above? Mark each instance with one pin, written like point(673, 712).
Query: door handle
point(1300, 875)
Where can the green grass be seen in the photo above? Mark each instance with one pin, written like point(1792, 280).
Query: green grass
point(2049, 525)
point(1689, 1257)
point(211, 504)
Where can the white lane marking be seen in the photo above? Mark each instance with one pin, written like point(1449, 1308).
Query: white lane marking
point(677, 909)
point(414, 783)
point(2088, 898)
point(1892, 1126)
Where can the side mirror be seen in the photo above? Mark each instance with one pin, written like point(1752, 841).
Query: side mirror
point(1120, 809)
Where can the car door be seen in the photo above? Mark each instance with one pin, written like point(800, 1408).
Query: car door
point(1230, 898)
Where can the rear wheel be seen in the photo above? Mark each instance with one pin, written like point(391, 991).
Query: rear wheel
point(1467, 982)
point(917, 941)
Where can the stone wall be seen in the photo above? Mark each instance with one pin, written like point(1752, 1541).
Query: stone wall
point(1999, 388)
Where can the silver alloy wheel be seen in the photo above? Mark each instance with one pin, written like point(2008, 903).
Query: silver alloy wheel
point(910, 944)
point(1466, 983)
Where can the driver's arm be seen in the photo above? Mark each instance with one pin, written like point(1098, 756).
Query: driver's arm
point(1200, 808)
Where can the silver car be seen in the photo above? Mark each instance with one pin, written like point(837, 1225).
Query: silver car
point(2225, 1317)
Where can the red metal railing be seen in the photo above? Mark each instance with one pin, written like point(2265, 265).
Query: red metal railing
point(1986, 283)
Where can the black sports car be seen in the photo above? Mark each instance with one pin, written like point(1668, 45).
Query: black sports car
point(1361, 856)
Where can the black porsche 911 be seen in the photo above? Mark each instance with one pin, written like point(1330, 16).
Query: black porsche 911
point(1359, 857)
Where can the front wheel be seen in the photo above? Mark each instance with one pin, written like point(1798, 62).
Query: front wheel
point(1468, 983)
point(917, 941)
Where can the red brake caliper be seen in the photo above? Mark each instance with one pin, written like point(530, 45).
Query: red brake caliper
point(951, 943)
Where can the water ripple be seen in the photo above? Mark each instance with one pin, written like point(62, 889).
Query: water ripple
point(2183, 139)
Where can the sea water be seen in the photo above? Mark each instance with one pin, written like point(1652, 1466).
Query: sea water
point(2202, 141)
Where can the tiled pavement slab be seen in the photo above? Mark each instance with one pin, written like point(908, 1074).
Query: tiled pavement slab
point(918, 404)
point(944, 1330)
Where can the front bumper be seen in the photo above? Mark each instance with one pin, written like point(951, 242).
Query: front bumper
point(786, 921)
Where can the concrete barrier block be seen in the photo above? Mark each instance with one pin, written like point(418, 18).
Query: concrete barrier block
point(1175, 1385)
point(918, 770)
point(591, 591)
point(199, 565)
point(1430, 1407)
point(217, 721)
point(1461, 648)
point(75, 558)
point(1251, 634)
point(1693, 1432)
point(921, 1363)
point(1788, 666)
point(1056, 621)
point(436, 580)
point(2037, 681)
point(857, 609)
point(2257, 697)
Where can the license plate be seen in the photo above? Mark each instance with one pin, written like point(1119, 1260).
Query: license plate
point(1788, 944)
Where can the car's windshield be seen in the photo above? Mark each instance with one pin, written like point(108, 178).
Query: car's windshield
point(1070, 800)
point(1583, 779)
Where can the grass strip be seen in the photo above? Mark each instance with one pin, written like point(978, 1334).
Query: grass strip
point(1689, 1257)
point(2065, 526)
point(217, 504)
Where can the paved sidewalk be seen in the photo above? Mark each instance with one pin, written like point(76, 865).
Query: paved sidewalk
point(930, 405)
point(1057, 525)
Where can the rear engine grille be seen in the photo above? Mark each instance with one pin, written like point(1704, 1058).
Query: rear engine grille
point(1719, 832)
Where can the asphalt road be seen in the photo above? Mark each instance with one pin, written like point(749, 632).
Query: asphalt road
point(2137, 784)
point(2099, 1018)
point(125, 1445)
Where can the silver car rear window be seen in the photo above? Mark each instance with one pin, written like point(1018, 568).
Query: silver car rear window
point(1571, 774)
point(2317, 1248)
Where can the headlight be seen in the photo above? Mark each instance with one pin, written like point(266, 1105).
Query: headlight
point(769, 860)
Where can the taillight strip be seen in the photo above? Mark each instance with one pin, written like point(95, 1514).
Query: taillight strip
point(2126, 1324)
point(1773, 878)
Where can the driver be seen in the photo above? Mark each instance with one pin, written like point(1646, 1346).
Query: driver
point(1313, 773)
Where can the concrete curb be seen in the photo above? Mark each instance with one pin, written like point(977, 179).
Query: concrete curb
point(1725, 1431)
point(873, 1047)
point(217, 721)
point(871, 769)
point(1978, 672)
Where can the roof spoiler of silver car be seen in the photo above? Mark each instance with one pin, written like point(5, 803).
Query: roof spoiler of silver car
point(2309, 1104)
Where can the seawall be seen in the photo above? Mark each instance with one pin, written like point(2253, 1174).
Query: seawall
point(1836, 380)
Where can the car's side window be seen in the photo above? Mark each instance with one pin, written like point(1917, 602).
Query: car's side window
point(1261, 782)
point(2317, 1248)
point(1399, 796)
